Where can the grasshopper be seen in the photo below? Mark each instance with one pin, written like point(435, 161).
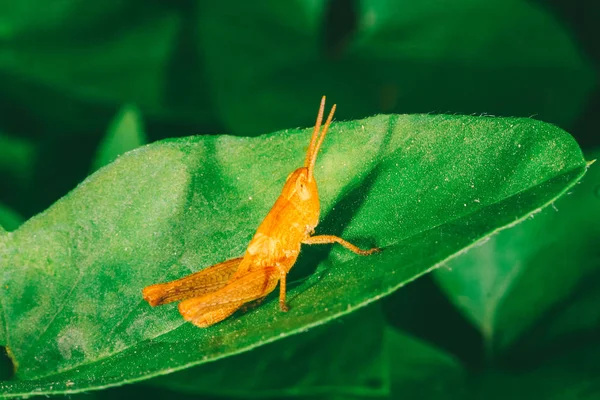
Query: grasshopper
point(214, 293)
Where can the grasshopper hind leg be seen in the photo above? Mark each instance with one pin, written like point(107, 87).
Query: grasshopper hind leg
point(205, 281)
point(212, 316)
point(214, 307)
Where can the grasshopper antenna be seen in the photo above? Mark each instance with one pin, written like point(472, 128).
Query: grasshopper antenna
point(317, 139)
point(315, 134)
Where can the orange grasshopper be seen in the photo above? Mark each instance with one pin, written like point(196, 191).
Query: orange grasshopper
point(214, 293)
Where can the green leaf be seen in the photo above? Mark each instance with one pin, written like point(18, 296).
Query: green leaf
point(572, 374)
point(125, 133)
point(17, 158)
point(272, 58)
point(421, 187)
point(344, 358)
point(509, 283)
point(575, 319)
point(9, 219)
point(108, 53)
point(420, 371)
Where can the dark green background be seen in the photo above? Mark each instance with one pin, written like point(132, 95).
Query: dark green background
point(68, 68)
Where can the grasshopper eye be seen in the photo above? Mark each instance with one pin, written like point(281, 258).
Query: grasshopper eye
point(302, 189)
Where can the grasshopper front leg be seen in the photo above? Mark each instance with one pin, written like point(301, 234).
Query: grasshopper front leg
point(327, 239)
point(282, 288)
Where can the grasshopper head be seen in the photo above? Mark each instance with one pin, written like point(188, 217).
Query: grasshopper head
point(301, 191)
point(299, 188)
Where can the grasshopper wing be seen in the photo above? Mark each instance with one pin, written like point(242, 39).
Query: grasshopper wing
point(197, 284)
point(216, 306)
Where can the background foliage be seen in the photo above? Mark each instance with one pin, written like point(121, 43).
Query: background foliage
point(83, 83)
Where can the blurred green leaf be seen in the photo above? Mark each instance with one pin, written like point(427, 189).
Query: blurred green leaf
point(125, 133)
point(111, 52)
point(9, 219)
point(506, 285)
point(421, 187)
point(420, 371)
point(342, 358)
point(574, 319)
point(571, 375)
point(17, 158)
point(577, 317)
point(436, 320)
point(507, 58)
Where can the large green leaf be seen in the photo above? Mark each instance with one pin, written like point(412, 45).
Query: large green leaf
point(509, 283)
point(501, 57)
point(422, 187)
point(343, 358)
